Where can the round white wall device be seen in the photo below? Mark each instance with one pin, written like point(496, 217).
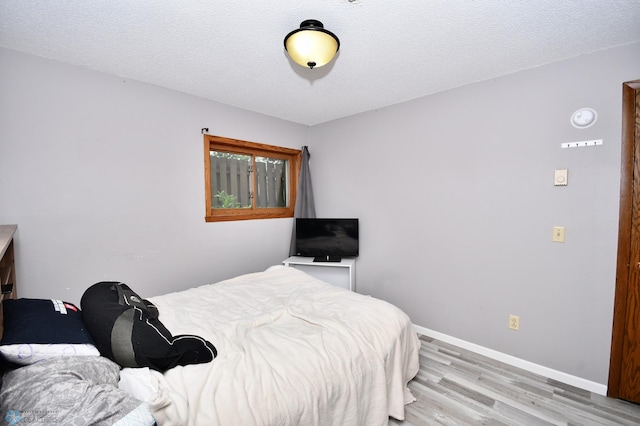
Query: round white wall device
point(584, 117)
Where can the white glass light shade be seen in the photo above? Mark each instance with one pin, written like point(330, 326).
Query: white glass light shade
point(311, 46)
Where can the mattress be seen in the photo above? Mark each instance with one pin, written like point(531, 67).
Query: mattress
point(292, 350)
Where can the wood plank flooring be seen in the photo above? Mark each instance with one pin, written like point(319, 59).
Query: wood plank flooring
point(458, 387)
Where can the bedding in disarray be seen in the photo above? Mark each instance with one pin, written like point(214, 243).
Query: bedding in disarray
point(292, 350)
point(70, 390)
point(54, 374)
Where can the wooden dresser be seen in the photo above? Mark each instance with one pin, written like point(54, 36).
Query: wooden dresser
point(7, 265)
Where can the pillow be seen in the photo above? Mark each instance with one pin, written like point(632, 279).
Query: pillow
point(30, 353)
point(42, 321)
point(38, 329)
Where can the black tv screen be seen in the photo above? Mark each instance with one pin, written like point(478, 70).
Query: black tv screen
point(327, 240)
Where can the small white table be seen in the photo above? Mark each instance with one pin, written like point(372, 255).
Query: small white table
point(341, 274)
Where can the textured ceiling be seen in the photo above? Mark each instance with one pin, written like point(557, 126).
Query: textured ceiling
point(231, 51)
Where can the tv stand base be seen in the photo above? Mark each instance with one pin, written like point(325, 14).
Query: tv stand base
point(327, 259)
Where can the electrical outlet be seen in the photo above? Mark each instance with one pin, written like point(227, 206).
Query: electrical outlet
point(514, 322)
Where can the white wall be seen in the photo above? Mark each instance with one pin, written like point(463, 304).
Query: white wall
point(456, 204)
point(104, 177)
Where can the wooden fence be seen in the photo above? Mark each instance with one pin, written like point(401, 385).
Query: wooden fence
point(234, 177)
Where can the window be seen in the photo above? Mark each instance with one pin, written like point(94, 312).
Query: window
point(248, 180)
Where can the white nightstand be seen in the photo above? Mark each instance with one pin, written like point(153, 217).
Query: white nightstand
point(341, 274)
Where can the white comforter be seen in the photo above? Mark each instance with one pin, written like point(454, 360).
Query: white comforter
point(292, 350)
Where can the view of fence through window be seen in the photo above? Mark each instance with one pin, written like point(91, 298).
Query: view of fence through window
point(232, 181)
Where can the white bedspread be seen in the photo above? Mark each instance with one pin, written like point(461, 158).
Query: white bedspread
point(292, 350)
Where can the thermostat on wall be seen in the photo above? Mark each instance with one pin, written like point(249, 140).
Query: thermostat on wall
point(583, 118)
point(561, 177)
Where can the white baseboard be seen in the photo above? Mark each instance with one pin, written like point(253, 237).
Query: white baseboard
point(516, 362)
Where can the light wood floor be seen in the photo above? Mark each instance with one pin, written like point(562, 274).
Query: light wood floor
point(459, 387)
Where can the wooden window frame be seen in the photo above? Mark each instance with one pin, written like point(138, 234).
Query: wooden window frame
point(236, 146)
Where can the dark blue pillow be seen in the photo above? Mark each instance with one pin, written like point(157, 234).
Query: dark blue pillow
point(42, 321)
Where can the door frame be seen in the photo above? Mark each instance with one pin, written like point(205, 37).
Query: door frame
point(629, 90)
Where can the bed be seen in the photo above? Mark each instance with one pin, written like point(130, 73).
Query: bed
point(292, 350)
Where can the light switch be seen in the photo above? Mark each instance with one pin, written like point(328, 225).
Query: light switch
point(558, 234)
point(561, 177)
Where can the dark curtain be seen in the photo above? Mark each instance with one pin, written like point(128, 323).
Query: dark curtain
point(305, 206)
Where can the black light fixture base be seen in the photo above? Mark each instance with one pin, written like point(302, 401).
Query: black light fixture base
point(311, 24)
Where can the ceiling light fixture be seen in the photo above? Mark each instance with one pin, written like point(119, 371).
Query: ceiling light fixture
point(311, 45)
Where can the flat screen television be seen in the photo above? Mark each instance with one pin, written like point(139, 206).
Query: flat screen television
point(327, 240)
